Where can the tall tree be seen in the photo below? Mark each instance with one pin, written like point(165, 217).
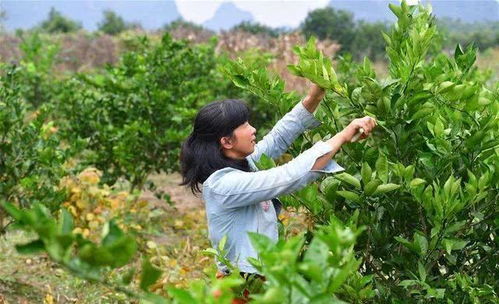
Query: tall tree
point(3, 16)
point(112, 23)
point(368, 40)
point(256, 28)
point(181, 23)
point(57, 23)
point(328, 23)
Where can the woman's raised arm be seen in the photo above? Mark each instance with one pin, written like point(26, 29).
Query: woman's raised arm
point(236, 188)
point(288, 128)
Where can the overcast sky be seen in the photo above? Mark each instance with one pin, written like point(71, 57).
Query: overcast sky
point(274, 13)
point(155, 13)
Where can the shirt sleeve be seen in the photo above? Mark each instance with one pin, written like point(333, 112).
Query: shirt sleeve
point(285, 131)
point(236, 188)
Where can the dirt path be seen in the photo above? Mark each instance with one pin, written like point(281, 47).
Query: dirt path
point(181, 197)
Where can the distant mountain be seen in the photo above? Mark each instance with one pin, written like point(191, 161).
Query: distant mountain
point(466, 10)
point(226, 16)
point(150, 14)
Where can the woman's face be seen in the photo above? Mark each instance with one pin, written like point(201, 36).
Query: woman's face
point(242, 144)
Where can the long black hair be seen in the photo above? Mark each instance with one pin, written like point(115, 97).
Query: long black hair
point(201, 152)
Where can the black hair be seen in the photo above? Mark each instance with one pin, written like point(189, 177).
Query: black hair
point(201, 152)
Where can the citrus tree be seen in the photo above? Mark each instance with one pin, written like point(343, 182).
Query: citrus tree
point(134, 114)
point(31, 158)
point(426, 183)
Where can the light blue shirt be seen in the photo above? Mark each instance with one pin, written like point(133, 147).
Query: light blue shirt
point(238, 202)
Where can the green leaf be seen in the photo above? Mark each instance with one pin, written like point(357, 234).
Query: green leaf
point(181, 296)
point(240, 81)
point(17, 214)
point(458, 52)
point(438, 128)
point(328, 187)
point(445, 86)
point(65, 240)
point(155, 299)
point(387, 38)
point(386, 188)
point(122, 250)
point(454, 244)
point(405, 242)
point(210, 252)
point(366, 173)
point(349, 179)
point(417, 182)
point(371, 187)
point(354, 197)
point(260, 242)
point(422, 271)
point(425, 111)
point(409, 172)
point(149, 275)
point(294, 70)
point(395, 9)
point(382, 168)
point(66, 222)
point(408, 283)
point(221, 244)
point(317, 253)
point(421, 242)
point(265, 163)
point(112, 232)
point(31, 247)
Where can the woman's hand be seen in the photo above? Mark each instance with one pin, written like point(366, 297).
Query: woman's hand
point(366, 123)
point(316, 92)
point(314, 96)
point(345, 136)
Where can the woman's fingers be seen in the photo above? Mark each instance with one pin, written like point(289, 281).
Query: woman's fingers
point(371, 123)
point(367, 124)
point(363, 125)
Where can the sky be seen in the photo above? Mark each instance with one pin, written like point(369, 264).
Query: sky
point(155, 13)
point(273, 13)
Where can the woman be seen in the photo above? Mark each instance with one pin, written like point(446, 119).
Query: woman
point(221, 153)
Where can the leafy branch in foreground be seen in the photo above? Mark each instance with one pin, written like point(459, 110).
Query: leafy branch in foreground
point(81, 257)
point(304, 270)
point(321, 270)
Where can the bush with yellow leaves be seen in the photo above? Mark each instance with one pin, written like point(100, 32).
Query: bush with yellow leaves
point(92, 204)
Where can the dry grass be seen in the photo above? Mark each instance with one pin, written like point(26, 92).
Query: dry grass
point(9, 48)
point(82, 52)
point(78, 52)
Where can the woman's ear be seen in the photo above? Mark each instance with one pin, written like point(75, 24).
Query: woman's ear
point(226, 143)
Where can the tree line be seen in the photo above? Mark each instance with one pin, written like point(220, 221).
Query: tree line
point(356, 37)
